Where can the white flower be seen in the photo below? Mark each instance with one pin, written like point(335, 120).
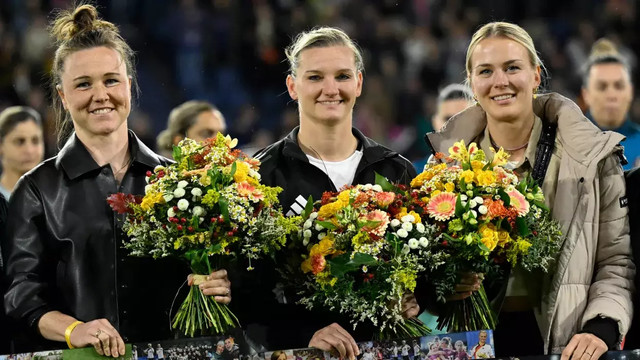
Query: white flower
point(305, 242)
point(319, 227)
point(321, 236)
point(478, 200)
point(307, 224)
point(403, 233)
point(463, 197)
point(364, 268)
point(147, 188)
point(367, 187)
point(196, 192)
point(183, 204)
point(307, 234)
point(167, 197)
point(313, 215)
point(423, 242)
point(470, 193)
point(413, 243)
point(482, 209)
point(171, 213)
point(475, 214)
point(377, 188)
point(420, 227)
point(182, 184)
point(406, 249)
point(407, 218)
point(179, 192)
point(158, 168)
point(197, 210)
point(472, 203)
point(407, 226)
point(395, 222)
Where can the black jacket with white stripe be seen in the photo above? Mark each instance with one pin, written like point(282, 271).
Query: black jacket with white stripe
point(258, 299)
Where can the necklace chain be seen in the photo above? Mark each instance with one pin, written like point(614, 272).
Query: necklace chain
point(509, 150)
point(126, 164)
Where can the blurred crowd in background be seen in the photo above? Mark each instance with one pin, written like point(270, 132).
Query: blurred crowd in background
point(230, 53)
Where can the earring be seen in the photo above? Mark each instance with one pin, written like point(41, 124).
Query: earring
point(535, 93)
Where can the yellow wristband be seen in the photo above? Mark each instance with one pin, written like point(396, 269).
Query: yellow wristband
point(67, 332)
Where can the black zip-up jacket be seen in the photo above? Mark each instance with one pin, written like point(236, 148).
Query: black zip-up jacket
point(267, 321)
point(63, 249)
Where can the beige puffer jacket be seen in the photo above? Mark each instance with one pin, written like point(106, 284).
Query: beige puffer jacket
point(595, 271)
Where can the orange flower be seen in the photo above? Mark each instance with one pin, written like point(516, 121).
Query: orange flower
point(318, 263)
point(245, 189)
point(385, 198)
point(442, 206)
point(518, 202)
point(379, 216)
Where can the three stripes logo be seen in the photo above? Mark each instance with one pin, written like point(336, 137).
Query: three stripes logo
point(297, 207)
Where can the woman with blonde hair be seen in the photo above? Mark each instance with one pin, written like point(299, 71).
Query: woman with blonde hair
point(583, 307)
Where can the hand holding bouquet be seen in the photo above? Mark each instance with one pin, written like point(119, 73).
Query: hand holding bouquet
point(210, 203)
point(366, 247)
point(485, 216)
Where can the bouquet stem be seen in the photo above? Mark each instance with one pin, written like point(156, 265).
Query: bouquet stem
point(201, 314)
point(409, 329)
point(471, 314)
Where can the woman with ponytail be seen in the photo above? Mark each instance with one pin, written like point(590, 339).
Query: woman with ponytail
point(69, 279)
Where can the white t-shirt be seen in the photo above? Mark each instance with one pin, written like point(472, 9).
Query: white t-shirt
point(342, 172)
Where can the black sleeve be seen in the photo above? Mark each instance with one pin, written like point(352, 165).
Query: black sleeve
point(604, 328)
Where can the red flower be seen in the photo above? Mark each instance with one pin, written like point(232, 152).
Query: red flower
point(120, 202)
point(318, 263)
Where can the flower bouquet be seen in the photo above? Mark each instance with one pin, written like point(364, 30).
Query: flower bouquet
point(485, 216)
point(365, 248)
point(208, 204)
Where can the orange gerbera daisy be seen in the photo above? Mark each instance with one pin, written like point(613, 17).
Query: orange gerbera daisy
point(442, 206)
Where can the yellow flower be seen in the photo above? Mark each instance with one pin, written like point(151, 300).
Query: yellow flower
point(407, 279)
point(416, 217)
point(500, 158)
point(150, 200)
point(449, 187)
point(489, 235)
point(459, 151)
point(421, 179)
point(468, 176)
point(477, 165)
point(486, 178)
point(242, 172)
point(324, 279)
point(504, 238)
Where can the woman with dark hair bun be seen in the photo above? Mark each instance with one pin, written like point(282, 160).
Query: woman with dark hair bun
point(69, 279)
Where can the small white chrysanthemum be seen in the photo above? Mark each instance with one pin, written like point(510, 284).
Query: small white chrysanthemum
point(182, 184)
point(475, 214)
point(406, 249)
point(183, 204)
point(197, 210)
point(321, 236)
point(478, 200)
point(179, 192)
point(423, 242)
point(463, 197)
point(413, 243)
point(307, 234)
point(305, 242)
point(167, 197)
point(319, 227)
point(407, 226)
point(377, 188)
point(472, 203)
point(408, 218)
point(482, 209)
point(313, 215)
point(171, 213)
point(395, 222)
point(158, 168)
point(147, 188)
point(420, 227)
point(307, 224)
point(196, 192)
point(402, 233)
point(367, 187)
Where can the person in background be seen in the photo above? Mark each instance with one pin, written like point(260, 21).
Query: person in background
point(607, 91)
point(452, 99)
point(583, 307)
point(70, 280)
point(21, 145)
point(482, 350)
point(194, 119)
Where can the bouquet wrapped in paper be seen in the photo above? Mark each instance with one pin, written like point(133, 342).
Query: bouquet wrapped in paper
point(485, 216)
point(208, 204)
point(365, 247)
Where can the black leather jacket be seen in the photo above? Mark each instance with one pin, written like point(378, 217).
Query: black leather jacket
point(63, 249)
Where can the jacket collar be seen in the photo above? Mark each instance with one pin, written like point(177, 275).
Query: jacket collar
point(371, 150)
point(573, 129)
point(628, 127)
point(75, 159)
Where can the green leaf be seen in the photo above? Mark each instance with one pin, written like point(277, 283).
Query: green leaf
point(522, 227)
point(384, 183)
point(504, 197)
point(459, 208)
point(541, 205)
point(177, 153)
point(342, 264)
point(326, 224)
point(224, 209)
point(233, 169)
point(307, 208)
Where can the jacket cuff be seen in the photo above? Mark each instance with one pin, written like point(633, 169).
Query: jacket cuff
point(33, 319)
point(604, 328)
